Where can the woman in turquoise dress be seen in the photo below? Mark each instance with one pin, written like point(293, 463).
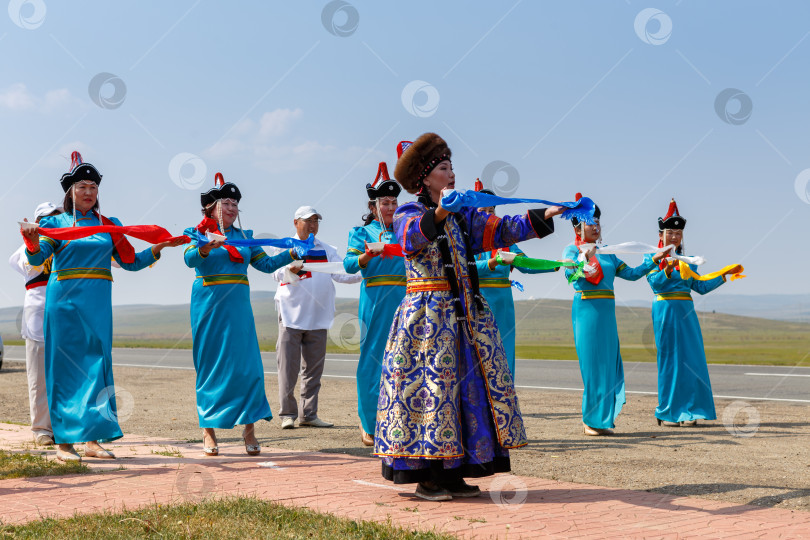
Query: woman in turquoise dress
point(381, 292)
point(493, 279)
point(78, 316)
point(447, 408)
point(593, 316)
point(230, 375)
point(684, 388)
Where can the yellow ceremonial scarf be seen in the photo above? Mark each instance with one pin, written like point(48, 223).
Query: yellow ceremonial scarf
point(687, 273)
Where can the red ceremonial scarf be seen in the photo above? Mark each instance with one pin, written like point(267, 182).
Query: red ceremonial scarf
point(663, 263)
point(120, 243)
point(210, 225)
point(148, 233)
point(597, 276)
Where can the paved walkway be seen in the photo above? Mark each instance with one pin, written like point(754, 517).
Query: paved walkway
point(514, 507)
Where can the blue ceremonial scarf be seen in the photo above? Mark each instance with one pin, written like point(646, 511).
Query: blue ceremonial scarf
point(283, 243)
point(582, 209)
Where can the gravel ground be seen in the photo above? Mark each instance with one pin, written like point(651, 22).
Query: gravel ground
point(760, 455)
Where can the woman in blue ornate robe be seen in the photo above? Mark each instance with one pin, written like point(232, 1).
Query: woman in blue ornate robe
point(381, 292)
point(230, 375)
point(447, 408)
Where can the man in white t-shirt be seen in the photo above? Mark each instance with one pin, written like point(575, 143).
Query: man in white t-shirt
point(306, 308)
point(33, 316)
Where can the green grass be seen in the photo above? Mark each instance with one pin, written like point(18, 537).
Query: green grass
point(543, 331)
point(25, 465)
point(229, 518)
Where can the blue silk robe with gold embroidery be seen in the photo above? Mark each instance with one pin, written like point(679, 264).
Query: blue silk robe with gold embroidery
point(230, 375)
point(78, 330)
point(446, 394)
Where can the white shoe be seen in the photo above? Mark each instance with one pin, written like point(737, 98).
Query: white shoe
point(288, 423)
point(315, 422)
point(43, 440)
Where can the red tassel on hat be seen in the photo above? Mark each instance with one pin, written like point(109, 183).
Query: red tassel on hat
point(382, 174)
point(577, 197)
point(672, 211)
point(478, 185)
point(75, 159)
point(219, 180)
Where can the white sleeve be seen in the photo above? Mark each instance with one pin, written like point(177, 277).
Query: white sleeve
point(19, 262)
point(334, 256)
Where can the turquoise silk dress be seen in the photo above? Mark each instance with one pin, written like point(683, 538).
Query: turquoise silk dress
point(447, 406)
point(230, 375)
point(381, 292)
point(593, 316)
point(497, 289)
point(78, 330)
point(684, 389)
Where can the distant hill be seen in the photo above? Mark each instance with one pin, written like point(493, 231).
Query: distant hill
point(543, 330)
point(780, 307)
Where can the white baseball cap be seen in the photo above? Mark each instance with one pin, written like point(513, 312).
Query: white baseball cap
point(305, 212)
point(44, 209)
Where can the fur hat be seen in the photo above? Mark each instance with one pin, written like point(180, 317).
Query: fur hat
point(419, 159)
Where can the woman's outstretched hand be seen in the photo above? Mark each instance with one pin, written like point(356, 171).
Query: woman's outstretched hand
point(554, 211)
point(213, 244)
point(31, 237)
point(171, 243)
point(658, 256)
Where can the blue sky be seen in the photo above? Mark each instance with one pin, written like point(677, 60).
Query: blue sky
point(298, 107)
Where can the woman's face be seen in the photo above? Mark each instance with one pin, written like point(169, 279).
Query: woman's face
point(441, 177)
point(671, 236)
point(488, 209)
point(387, 208)
point(230, 210)
point(85, 195)
point(590, 233)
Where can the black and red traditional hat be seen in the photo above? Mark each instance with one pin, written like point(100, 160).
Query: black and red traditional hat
point(79, 171)
point(597, 213)
point(382, 186)
point(417, 159)
point(479, 187)
point(673, 220)
point(221, 190)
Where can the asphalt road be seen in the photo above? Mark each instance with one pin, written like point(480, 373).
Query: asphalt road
point(769, 383)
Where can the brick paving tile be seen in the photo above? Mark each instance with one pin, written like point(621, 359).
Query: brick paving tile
point(348, 486)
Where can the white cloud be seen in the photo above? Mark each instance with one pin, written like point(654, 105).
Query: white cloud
point(278, 122)
point(263, 145)
point(17, 97)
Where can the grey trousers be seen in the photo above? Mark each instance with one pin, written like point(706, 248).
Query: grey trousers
point(301, 351)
